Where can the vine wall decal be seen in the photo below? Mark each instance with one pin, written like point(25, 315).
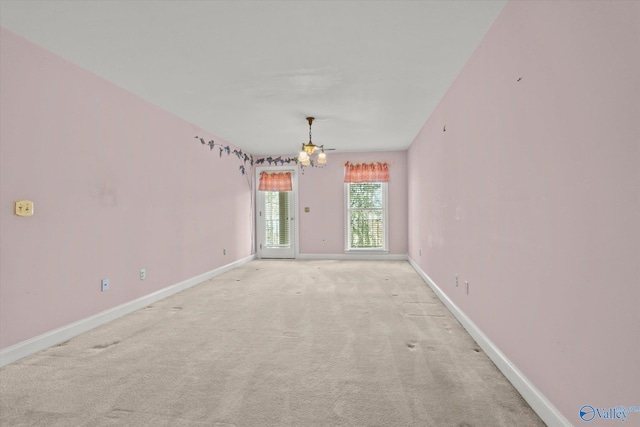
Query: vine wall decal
point(247, 159)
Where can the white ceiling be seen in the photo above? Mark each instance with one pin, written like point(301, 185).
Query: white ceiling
point(371, 72)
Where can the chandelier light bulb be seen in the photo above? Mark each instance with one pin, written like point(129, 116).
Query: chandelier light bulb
point(303, 155)
point(322, 158)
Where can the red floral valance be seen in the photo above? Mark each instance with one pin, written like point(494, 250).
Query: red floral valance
point(275, 181)
point(366, 172)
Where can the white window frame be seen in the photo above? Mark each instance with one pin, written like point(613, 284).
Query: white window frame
point(385, 222)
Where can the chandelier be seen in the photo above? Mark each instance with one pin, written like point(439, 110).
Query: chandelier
point(308, 149)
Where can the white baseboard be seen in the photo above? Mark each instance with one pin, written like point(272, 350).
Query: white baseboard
point(538, 402)
point(356, 255)
point(64, 333)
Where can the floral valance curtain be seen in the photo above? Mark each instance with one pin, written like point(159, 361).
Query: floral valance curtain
point(275, 181)
point(366, 172)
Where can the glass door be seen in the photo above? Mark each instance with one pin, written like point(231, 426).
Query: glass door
point(276, 228)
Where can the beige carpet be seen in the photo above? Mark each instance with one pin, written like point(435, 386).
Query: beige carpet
point(272, 343)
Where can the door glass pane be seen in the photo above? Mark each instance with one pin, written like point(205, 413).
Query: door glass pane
point(276, 219)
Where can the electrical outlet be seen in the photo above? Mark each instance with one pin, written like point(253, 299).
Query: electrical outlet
point(224, 251)
point(420, 252)
point(104, 285)
point(467, 284)
point(143, 274)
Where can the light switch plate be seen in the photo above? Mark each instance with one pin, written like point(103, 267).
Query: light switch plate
point(24, 208)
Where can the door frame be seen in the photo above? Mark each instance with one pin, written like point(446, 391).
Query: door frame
point(293, 205)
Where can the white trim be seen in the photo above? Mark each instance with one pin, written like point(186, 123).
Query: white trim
point(64, 333)
point(538, 402)
point(356, 256)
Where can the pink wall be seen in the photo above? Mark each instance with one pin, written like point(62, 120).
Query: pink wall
point(118, 185)
point(322, 190)
point(532, 195)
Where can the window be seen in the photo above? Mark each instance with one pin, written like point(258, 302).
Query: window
point(366, 216)
point(276, 217)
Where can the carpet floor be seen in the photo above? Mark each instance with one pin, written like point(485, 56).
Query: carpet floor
point(272, 343)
